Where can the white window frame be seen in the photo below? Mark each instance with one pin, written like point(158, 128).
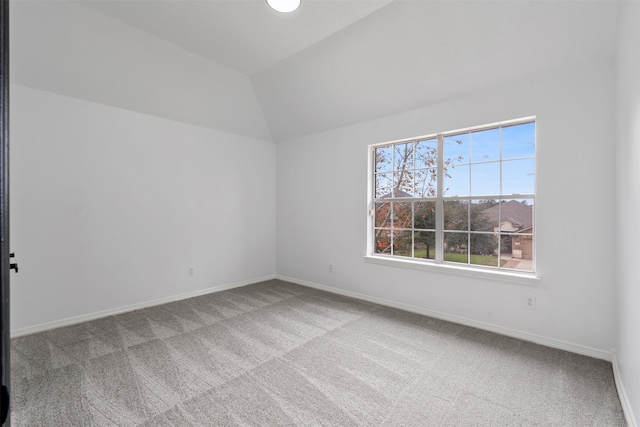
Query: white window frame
point(438, 264)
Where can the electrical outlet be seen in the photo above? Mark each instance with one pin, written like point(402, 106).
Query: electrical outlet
point(192, 271)
point(330, 268)
point(530, 302)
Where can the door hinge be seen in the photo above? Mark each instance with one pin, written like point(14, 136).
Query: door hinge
point(13, 266)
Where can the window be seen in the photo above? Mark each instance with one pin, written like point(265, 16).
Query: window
point(461, 198)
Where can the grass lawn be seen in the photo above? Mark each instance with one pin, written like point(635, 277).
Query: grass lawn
point(490, 260)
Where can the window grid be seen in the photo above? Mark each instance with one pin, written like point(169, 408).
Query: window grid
point(423, 164)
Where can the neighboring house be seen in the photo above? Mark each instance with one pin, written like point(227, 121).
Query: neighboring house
point(516, 220)
point(522, 244)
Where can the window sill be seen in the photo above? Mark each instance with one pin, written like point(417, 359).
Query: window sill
point(520, 278)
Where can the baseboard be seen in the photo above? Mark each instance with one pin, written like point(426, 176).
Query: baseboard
point(622, 394)
point(549, 342)
point(100, 314)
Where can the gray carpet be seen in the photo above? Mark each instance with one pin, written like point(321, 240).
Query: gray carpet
point(278, 354)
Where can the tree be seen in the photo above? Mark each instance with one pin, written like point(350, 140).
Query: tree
point(407, 170)
point(425, 218)
point(465, 216)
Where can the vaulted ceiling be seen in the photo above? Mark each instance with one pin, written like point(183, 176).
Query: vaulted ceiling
point(244, 35)
point(237, 66)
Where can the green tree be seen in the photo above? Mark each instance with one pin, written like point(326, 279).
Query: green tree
point(460, 215)
point(425, 218)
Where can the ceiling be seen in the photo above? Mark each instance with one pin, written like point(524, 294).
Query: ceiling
point(238, 66)
point(246, 35)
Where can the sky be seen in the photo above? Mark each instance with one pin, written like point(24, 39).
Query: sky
point(474, 162)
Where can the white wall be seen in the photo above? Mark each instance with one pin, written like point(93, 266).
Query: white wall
point(628, 204)
point(322, 208)
point(110, 207)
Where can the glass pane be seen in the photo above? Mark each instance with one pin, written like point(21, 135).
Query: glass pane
point(516, 216)
point(402, 216)
point(485, 179)
point(424, 216)
point(456, 181)
point(505, 247)
point(383, 215)
point(427, 170)
point(519, 141)
point(455, 215)
point(483, 249)
point(456, 149)
point(403, 183)
point(485, 145)
point(403, 156)
point(402, 243)
point(424, 244)
point(520, 255)
point(426, 182)
point(455, 247)
point(383, 158)
point(383, 185)
point(518, 176)
point(383, 241)
point(516, 241)
point(427, 153)
point(485, 215)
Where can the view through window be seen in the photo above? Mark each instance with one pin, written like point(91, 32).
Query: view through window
point(464, 197)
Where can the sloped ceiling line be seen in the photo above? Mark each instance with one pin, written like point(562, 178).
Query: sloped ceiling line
point(237, 67)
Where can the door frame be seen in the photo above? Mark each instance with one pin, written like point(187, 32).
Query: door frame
point(4, 212)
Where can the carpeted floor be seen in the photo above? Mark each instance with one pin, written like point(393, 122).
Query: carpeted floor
point(276, 353)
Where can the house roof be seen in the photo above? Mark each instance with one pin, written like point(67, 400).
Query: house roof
point(516, 212)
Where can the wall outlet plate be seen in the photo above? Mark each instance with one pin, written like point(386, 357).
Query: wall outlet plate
point(530, 302)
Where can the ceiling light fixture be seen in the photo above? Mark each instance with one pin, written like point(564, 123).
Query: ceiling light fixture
point(284, 6)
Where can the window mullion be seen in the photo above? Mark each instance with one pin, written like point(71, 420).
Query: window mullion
point(439, 202)
point(500, 207)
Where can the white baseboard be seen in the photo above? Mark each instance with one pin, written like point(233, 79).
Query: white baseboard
point(100, 314)
point(549, 342)
point(622, 394)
